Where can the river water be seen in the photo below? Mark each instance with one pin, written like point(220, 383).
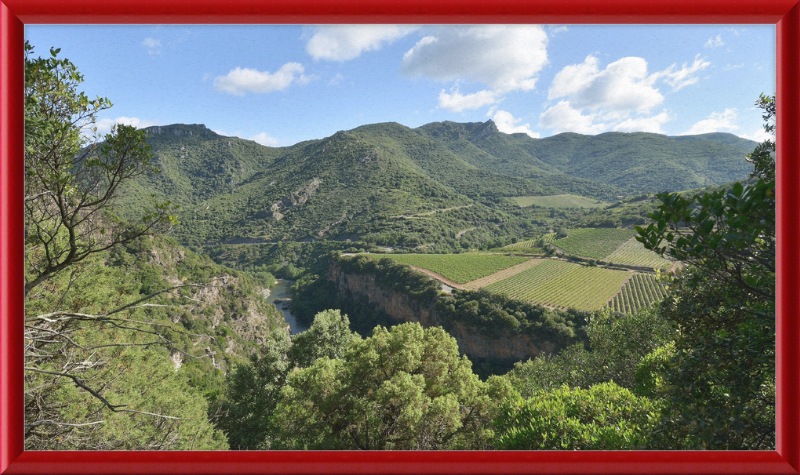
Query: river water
point(282, 291)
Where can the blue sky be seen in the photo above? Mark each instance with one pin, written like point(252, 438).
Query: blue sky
point(279, 85)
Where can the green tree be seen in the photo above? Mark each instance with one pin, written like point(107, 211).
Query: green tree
point(721, 380)
point(251, 393)
point(72, 176)
point(404, 388)
point(84, 327)
point(329, 336)
point(603, 417)
point(616, 347)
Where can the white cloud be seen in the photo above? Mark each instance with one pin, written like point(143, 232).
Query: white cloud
point(716, 122)
point(684, 77)
point(104, 125)
point(562, 117)
point(759, 135)
point(456, 102)
point(714, 42)
point(506, 124)
point(264, 139)
point(645, 124)
point(343, 42)
point(242, 80)
point(558, 29)
point(504, 57)
point(153, 46)
point(731, 67)
point(623, 86)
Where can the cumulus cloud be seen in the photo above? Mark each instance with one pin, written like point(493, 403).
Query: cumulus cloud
point(683, 77)
point(759, 135)
point(714, 42)
point(104, 125)
point(562, 117)
point(623, 85)
point(505, 123)
point(456, 102)
point(503, 57)
point(617, 97)
point(645, 124)
point(265, 139)
point(716, 122)
point(344, 42)
point(242, 80)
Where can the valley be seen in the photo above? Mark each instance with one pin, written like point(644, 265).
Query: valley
point(474, 209)
point(448, 286)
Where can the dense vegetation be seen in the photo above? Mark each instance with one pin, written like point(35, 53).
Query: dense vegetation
point(133, 342)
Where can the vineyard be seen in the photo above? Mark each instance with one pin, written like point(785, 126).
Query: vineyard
point(640, 291)
point(460, 268)
point(531, 243)
point(634, 253)
point(558, 201)
point(596, 243)
point(562, 284)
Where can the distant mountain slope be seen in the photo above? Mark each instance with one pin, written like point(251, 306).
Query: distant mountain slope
point(388, 178)
point(644, 162)
point(485, 147)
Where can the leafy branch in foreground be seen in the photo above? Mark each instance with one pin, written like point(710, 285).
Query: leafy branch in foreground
point(66, 349)
point(71, 178)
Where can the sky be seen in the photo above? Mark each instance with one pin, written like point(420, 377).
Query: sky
point(279, 85)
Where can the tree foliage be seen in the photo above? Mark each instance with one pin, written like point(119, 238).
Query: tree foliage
point(721, 380)
point(404, 388)
point(71, 180)
point(603, 417)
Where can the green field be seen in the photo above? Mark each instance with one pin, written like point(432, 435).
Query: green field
point(641, 291)
point(562, 284)
point(596, 243)
point(558, 201)
point(634, 253)
point(529, 244)
point(460, 268)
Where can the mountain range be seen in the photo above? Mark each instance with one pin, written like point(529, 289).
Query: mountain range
point(388, 178)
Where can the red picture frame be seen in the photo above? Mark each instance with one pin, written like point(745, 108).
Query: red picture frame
point(785, 14)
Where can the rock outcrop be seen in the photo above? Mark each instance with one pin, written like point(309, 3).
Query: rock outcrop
point(473, 342)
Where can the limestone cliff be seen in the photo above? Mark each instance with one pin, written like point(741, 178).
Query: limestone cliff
point(473, 342)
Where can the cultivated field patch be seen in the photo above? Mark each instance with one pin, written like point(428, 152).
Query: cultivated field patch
point(564, 285)
point(634, 253)
point(502, 275)
point(640, 291)
point(460, 268)
point(559, 201)
point(530, 243)
point(596, 243)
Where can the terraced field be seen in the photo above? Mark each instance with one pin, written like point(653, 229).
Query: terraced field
point(562, 284)
point(559, 201)
point(634, 253)
point(640, 291)
point(460, 268)
point(595, 243)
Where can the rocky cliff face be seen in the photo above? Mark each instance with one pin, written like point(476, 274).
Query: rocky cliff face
point(471, 341)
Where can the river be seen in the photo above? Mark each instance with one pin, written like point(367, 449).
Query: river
point(282, 291)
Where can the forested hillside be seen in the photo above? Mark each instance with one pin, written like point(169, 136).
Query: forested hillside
point(387, 179)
